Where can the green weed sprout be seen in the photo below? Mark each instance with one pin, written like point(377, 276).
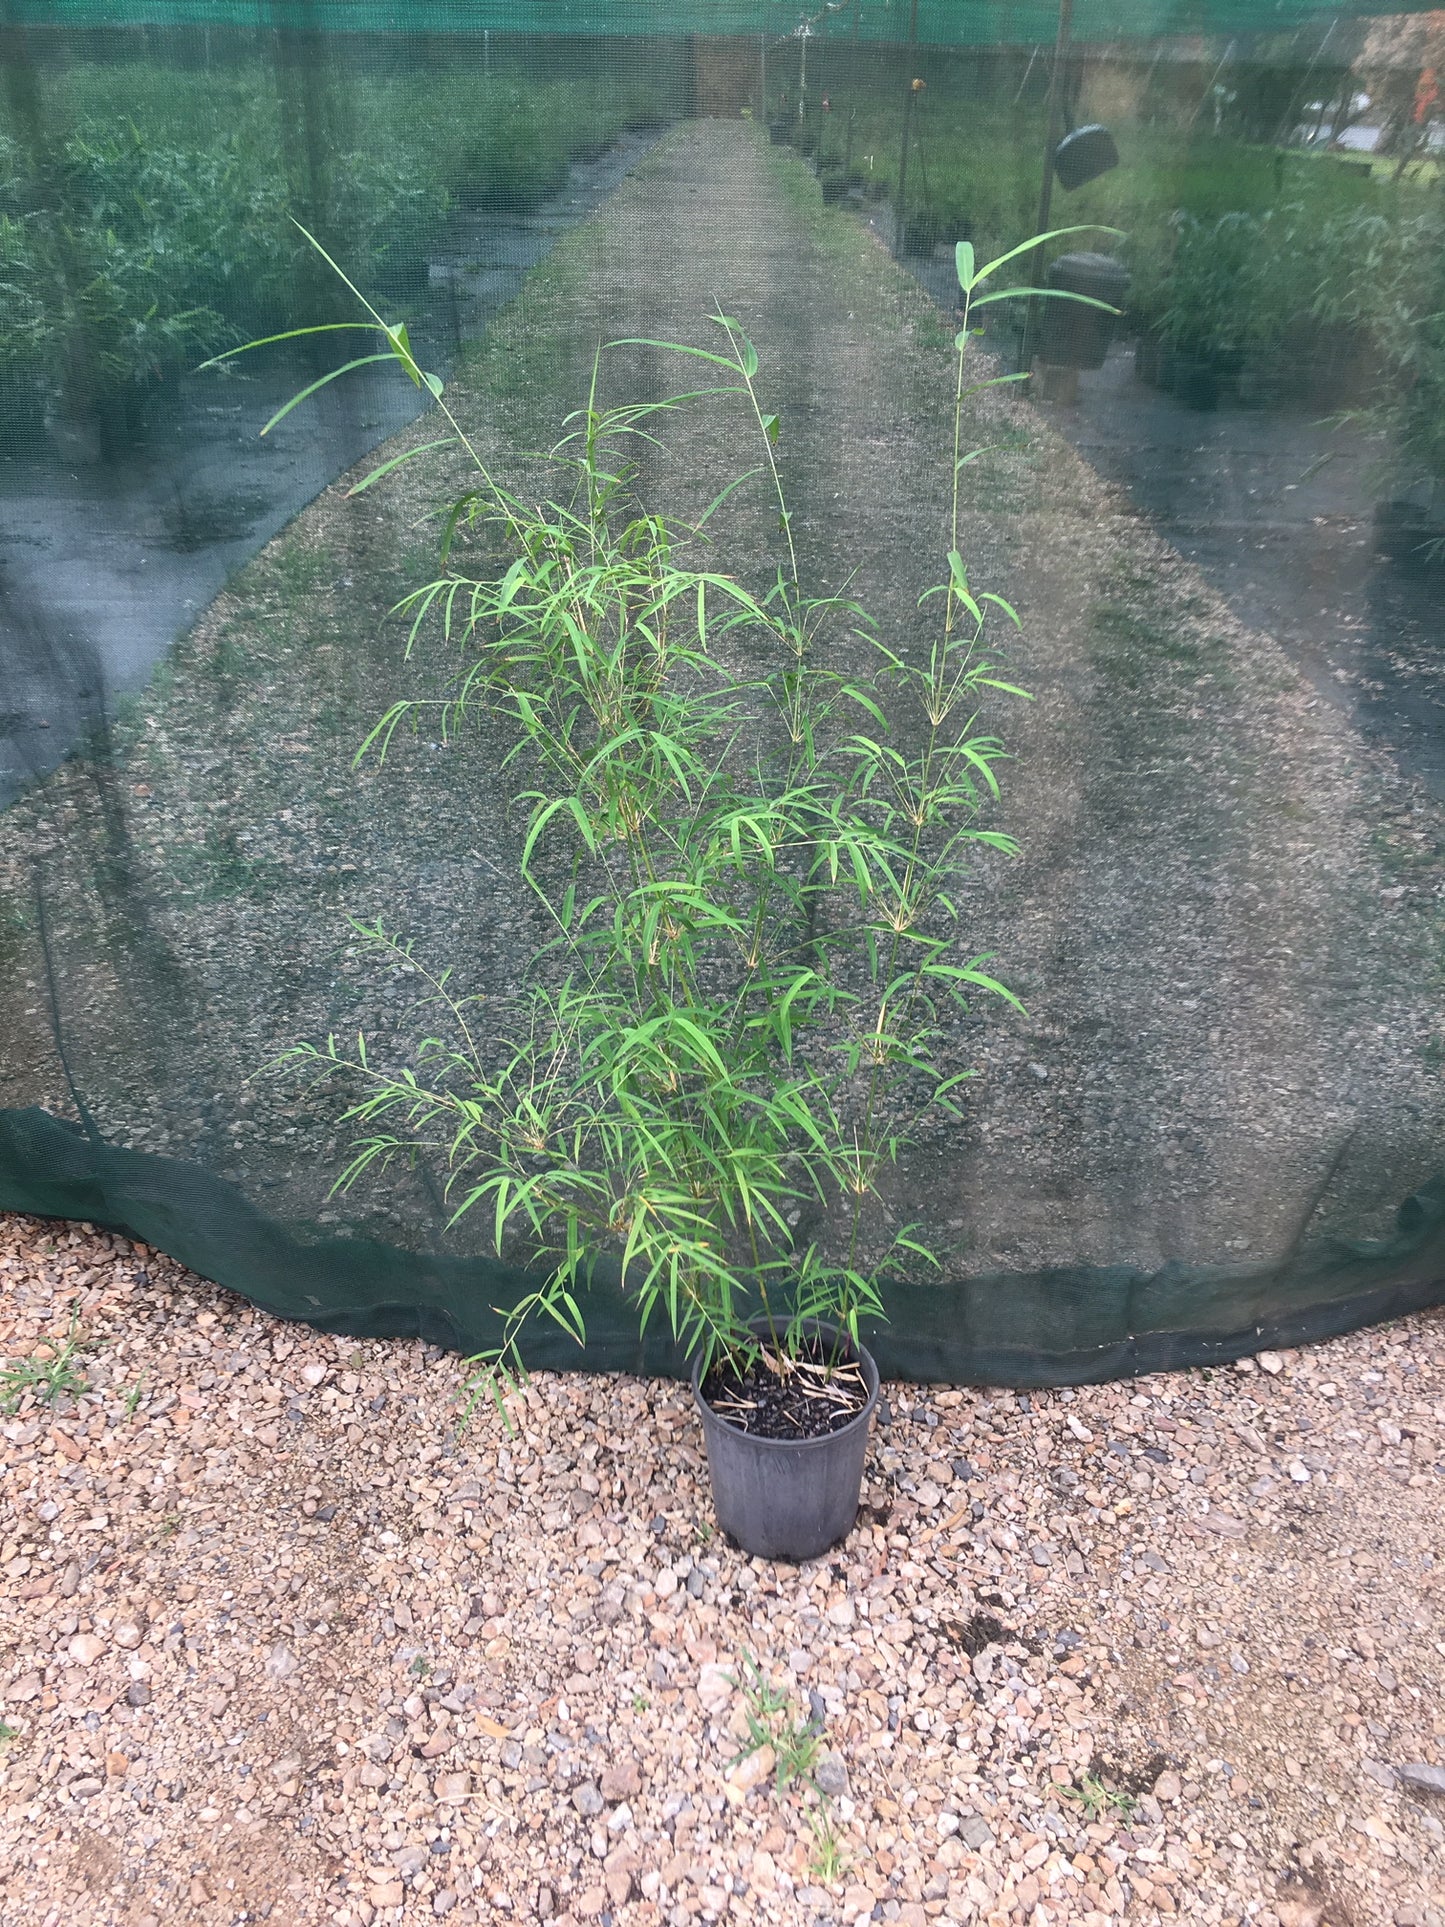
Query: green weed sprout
point(1094, 1799)
point(797, 1745)
point(46, 1379)
point(797, 1751)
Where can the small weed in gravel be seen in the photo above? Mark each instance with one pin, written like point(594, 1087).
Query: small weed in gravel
point(48, 1373)
point(796, 1748)
point(1095, 1800)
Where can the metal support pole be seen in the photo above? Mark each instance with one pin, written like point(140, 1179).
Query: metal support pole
point(1025, 81)
point(1057, 86)
point(1292, 111)
point(1149, 77)
point(1213, 83)
point(900, 210)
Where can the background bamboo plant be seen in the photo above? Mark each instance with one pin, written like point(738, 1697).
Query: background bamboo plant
point(749, 861)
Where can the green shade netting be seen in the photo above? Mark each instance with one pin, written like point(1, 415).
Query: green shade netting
point(933, 22)
point(1066, 1325)
point(1219, 1125)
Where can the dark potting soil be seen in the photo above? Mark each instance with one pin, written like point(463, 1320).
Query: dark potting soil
point(789, 1398)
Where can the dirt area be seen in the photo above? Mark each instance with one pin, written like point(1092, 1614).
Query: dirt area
point(280, 1644)
point(1226, 924)
point(1276, 507)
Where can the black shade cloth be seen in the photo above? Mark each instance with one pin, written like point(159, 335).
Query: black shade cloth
point(1225, 541)
point(1059, 1327)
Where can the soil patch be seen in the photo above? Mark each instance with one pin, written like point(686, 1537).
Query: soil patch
point(781, 1397)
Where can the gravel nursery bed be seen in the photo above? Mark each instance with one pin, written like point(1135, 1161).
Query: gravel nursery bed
point(279, 1644)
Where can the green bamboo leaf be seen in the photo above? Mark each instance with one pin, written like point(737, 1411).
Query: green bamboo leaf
point(447, 441)
point(1042, 240)
point(291, 334)
point(680, 348)
point(723, 494)
point(1013, 616)
point(1045, 294)
point(561, 805)
point(963, 260)
point(364, 361)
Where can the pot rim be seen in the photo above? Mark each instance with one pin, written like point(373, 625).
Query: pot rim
point(865, 1359)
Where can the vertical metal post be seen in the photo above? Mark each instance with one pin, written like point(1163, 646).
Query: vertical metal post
point(900, 211)
point(1025, 81)
point(852, 82)
point(763, 76)
point(1213, 83)
point(1149, 77)
point(1291, 112)
point(487, 52)
point(1058, 80)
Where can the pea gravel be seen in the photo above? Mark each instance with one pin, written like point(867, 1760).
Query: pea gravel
point(279, 1645)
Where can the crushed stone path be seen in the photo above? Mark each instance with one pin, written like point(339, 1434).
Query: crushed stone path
point(277, 1644)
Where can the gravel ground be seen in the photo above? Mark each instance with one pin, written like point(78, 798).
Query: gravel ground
point(280, 1645)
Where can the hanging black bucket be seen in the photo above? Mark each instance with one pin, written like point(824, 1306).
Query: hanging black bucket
point(1084, 155)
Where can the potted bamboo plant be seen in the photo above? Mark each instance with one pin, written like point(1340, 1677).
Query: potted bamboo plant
point(746, 856)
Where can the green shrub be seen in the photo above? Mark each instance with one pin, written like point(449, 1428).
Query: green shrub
point(155, 226)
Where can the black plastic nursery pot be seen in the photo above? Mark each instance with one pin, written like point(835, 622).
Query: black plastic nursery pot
point(1411, 531)
point(921, 234)
point(787, 1498)
point(1194, 380)
point(1149, 361)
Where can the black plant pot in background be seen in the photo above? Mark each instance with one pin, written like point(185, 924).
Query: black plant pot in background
point(1412, 531)
point(125, 416)
point(23, 400)
point(1195, 381)
point(787, 1498)
point(921, 234)
point(1149, 361)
